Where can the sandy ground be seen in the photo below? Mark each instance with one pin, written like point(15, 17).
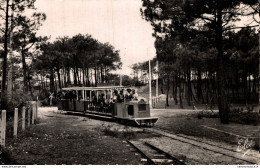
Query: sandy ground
point(70, 139)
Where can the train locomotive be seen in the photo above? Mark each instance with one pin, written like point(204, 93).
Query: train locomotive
point(107, 102)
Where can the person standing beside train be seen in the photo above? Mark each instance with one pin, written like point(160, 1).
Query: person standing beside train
point(51, 97)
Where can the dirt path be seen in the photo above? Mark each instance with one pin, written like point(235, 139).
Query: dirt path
point(66, 139)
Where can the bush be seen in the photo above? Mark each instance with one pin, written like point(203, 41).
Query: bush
point(109, 131)
point(244, 117)
point(18, 99)
point(138, 83)
point(208, 114)
point(126, 133)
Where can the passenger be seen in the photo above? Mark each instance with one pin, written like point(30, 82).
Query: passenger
point(100, 98)
point(67, 95)
point(128, 95)
point(63, 95)
point(73, 95)
point(114, 97)
point(94, 100)
point(101, 103)
point(120, 97)
point(135, 95)
point(80, 96)
point(107, 102)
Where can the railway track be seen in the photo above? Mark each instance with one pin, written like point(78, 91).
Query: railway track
point(154, 155)
point(187, 137)
point(204, 145)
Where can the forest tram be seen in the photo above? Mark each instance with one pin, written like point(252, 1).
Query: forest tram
point(116, 102)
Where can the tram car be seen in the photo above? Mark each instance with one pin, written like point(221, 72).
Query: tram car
point(115, 102)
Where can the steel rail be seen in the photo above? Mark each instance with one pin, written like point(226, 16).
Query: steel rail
point(149, 160)
point(196, 145)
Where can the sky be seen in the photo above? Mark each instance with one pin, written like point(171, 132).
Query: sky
point(118, 22)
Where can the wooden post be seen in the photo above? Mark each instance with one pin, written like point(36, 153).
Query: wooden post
point(15, 122)
point(23, 118)
point(3, 127)
point(29, 116)
point(36, 107)
point(33, 113)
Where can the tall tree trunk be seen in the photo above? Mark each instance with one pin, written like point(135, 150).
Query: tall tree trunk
point(207, 89)
point(222, 97)
point(75, 69)
point(254, 83)
point(83, 76)
point(95, 75)
point(95, 69)
point(88, 81)
point(29, 84)
point(65, 82)
point(173, 86)
point(189, 86)
point(237, 83)
point(102, 75)
point(245, 84)
point(91, 75)
point(78, 75)
point(199, 86)
point(55, 84)
point(58, 73)
point(52, 87)
point(24, 71)
point(162, 85)
point(68, 76)
point(3, 89)
point(167, 90)
point(75, 75)
point(42, 88)
point(176, 89)
point(179, 85)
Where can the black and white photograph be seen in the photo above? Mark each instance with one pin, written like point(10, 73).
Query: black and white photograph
point(129, 83)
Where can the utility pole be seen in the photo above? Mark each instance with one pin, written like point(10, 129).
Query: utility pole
point(150, 86)
point(121, 79)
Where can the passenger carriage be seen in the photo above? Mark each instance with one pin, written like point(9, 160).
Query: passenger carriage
point(98, 101)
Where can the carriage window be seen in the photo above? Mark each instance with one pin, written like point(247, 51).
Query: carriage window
point(130, 110)
point(141, 107)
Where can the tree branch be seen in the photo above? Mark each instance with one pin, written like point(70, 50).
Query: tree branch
point(257, 21)
point(232, 28)
point(2, 17)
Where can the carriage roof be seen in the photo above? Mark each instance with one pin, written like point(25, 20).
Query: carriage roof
point(95, 88)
